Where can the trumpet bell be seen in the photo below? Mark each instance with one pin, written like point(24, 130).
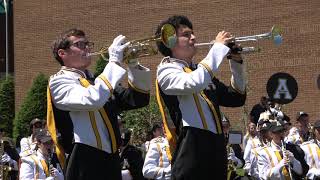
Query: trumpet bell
point(168, 35)
point(276, 35)
point(142, 47)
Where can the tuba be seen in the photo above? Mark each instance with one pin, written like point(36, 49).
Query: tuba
point(142, 47)
point(274, 34)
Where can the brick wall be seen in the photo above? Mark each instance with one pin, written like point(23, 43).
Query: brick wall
point(38, 22)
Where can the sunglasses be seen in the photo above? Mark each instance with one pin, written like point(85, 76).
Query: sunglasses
point(83, 44)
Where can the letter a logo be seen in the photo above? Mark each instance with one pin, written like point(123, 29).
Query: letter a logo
point(282, 89)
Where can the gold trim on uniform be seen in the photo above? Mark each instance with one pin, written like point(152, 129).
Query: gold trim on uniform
point(34, 158)
point(214, 112)
point(45, 167)
point(84, 82)
point(137, 89)
point(170, 133)
point(233, 86)
point(284, 169)
point(106, 122)
point(95, 129)
point(52, 129)
point(208, 69)
point(270, 159)
point(105, 80)
point(110, 129)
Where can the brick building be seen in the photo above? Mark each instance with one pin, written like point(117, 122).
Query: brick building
point(38, 22)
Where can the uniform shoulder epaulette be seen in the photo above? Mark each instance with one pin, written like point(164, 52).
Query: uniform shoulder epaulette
point(307, 142)
point(61, 72)
point(157, 140)
point(26, 153)
point(165, 60)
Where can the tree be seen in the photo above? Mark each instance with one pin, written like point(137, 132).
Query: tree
point(33, 106)
point(99, 66)
point(7, 104)
point(141, 120)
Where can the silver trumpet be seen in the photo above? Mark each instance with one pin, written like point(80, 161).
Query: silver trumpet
point(283, 151)
point(274, 34)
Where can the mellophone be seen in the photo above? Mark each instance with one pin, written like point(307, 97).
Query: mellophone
point(142, 47)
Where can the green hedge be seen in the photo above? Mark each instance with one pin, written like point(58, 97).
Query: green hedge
point(33, 106)
point(7, 104)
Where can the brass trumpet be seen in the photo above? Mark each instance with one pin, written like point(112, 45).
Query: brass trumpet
point(142, 47)
point(274, 34)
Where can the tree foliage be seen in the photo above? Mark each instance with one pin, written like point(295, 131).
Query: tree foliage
point(7, 104)
point(141, 120)
point(33, 106)
point(99, 66)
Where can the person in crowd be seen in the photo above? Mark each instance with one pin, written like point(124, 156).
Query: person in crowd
point(83, 110)
point(262, 140)
point(155, 131)
point(251, 134)
point(131, 158)
point(312, 153)
point(273, 111)
point(316, 137)
point(259, 108)
point(275, 161)
point(28, 144)
point(192, 94)
point(157, 163)
point(301, 132)
point(39, 165)
point(9, 158)
point(234, 151)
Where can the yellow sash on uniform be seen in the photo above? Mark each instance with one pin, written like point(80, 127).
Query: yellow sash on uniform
point(52, 129)
point(284, 169)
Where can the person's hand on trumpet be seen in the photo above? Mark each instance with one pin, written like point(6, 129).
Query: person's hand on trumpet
point(116, 49)
point(227, 39)
point(288, 157)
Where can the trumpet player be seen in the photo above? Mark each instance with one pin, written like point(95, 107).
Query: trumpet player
point(275, 162)
point(193, 95)
point(312, 153)
point(83, 109)
point(28, 144)
point(37, 165)
point(300, 133)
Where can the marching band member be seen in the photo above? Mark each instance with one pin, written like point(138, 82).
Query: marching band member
point(235, 152)
point(28, 144)
point(251, 165)
point(131, 158)
point(317, 132)
point(312, 154)
point(193, 95)
point(9, 157)
point(84, 109)
point(157, 163)
point(299, 133)
point(251, 134)
point(274, 161)
point(38, 165)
